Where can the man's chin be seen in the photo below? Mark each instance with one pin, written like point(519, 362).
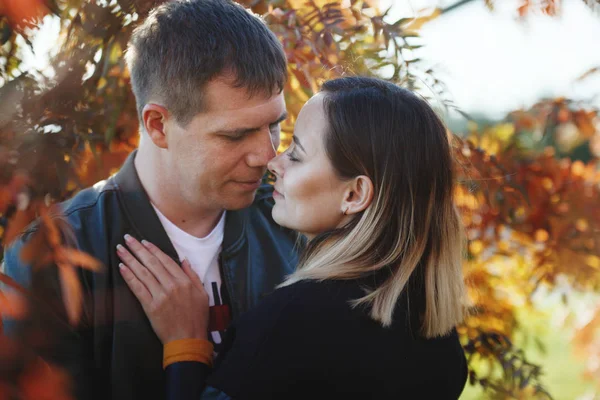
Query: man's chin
point(241, 201)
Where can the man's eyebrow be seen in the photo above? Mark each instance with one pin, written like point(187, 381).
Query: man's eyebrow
point(297, 141)
point(244, 131)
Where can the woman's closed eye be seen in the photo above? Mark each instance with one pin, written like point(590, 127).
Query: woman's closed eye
point(292, 156)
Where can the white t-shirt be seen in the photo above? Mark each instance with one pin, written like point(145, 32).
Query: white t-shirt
point(203, 255)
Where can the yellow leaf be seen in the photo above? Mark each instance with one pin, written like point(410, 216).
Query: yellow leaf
point(475, 247)
point(577, 168)
point(115, 53)
point(418, 23)
point(541, 235)
point(581, 225)
point(593, 261)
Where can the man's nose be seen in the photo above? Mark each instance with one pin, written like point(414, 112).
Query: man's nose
point(264, 149)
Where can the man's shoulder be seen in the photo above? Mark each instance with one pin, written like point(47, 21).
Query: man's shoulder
point(88, 198)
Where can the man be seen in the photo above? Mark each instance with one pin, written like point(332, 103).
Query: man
point(208, 78)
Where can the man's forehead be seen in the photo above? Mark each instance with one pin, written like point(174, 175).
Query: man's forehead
point(221, 94)
point(252, 116)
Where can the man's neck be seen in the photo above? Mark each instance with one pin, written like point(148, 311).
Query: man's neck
point(165, 196)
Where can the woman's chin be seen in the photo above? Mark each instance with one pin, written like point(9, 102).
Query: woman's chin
point(278, 217)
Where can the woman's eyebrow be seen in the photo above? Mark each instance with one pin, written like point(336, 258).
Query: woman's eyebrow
point(297, 141)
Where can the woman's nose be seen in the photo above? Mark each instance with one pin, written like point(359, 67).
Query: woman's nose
point(274, 166)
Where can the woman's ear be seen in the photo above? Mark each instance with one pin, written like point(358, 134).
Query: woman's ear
point(154, 118)
point(358, 196)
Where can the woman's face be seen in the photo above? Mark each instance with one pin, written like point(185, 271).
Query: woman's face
point(308, 194)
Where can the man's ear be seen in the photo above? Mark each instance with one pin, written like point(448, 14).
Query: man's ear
point(358, 196)
point(154, 118)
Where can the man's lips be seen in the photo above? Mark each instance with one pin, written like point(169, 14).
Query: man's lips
point(251, 184)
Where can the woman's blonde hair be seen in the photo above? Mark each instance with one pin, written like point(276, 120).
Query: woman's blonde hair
point(411, 233)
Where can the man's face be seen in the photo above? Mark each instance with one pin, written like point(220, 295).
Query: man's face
point(219, 158)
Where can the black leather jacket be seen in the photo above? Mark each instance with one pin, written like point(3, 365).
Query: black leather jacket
point(113, 353)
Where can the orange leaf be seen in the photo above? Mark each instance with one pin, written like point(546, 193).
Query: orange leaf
point(12, 305)
point(24, 13)
point(73, 257)
point(36, 250)
point(42, 381)
point(6, 197)
point(71, 292)
point(585, 122)
point(17, 224)
point(52, 231)
point(11, 283)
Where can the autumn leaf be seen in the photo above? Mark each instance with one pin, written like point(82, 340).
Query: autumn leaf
point(24, 13)
point(11, 283)
point(589, 73)
point(6, 198)
point(36, 250)
point(417, 23)
point(71, 292)
point(17, 224)
point(8, 193)
point(52, 232)
point(12, 305)
point(73, 257)
point(43, 381)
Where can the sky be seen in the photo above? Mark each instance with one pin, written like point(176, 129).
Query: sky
point(493, 63)
point(490, 61)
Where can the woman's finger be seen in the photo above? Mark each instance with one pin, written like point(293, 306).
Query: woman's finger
point(137, 287)
point(192, 275)
point(143, 274)
point(171, 266)
point(149, 261)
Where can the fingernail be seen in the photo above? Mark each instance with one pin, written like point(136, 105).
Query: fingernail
point(120, 249)
point(121, 265)
point(146, 243)
point(128, 238)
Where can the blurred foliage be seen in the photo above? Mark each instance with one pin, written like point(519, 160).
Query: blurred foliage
point(528, 193)
point(532, 216)
point(527, 7)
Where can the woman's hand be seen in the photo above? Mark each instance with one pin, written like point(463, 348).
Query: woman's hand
point(173, 297)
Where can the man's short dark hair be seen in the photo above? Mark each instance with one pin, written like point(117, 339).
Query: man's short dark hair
point(183, 44)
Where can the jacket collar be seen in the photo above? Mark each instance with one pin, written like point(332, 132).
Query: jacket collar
point(146, 225)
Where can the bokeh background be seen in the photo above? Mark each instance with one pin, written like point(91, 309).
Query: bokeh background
point(517, 82)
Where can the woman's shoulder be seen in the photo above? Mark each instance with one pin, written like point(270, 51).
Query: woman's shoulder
point(300, 306)
point(310, 297)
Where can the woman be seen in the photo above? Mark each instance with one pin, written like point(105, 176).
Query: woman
point(371, 309)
